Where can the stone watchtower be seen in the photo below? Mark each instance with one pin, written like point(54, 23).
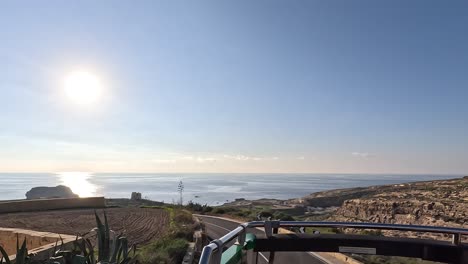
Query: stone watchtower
point(136, 196)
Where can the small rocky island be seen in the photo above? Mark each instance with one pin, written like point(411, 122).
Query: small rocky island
point(59, 191)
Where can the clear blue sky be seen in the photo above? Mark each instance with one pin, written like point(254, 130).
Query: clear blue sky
point(236, 86)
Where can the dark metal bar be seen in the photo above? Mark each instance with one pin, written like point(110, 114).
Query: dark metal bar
point(414, 228)
point(442, 251)
point(456, 239)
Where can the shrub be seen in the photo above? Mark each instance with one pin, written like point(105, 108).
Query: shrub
point(152, 206)
point(336, 230)
point(185, 233)
point(371, 232)
point(173, 246)
point(218, 210)
point(287, 218)
point(176, 250)
point(242, 213)
point(166, 250)
point(198, 207)
point(195, 206)
point(207, 209)
point(265, 214)
point(182, 217)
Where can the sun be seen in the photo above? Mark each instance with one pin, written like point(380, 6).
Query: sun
point(82, 87)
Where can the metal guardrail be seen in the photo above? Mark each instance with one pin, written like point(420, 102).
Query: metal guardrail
point(212, 253)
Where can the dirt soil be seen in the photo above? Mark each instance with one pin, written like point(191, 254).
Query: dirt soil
point(140, 225)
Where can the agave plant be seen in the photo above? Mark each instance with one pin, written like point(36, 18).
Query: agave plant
point(111, 250)
point(81, 253)
point(114, 249)
point(22, 256)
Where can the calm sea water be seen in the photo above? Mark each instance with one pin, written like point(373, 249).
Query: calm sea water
point(203, 188)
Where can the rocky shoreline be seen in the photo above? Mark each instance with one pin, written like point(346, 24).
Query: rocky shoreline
point(443, 202)
point(437, 203)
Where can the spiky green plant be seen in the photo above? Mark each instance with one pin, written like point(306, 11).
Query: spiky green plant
point(111, 250)
point(81, 253)
point(22, 256)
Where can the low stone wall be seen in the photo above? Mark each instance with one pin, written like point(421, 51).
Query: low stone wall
point(188, 258)
point(40, 244)
point(51, 204)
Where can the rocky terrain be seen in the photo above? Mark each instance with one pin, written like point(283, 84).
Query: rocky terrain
point(335, 197)
point(437, 203)
point(443, 203)
point(274, 203)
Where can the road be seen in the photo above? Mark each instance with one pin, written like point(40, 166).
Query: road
point(217, 227)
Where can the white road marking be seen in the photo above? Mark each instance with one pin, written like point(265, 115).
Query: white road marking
point(218, 226)
point(263, 256)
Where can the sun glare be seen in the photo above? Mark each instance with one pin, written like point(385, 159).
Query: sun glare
point(79, 183)
point(82, 87)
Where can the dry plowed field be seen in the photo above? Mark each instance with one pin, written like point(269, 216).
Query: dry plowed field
point(138, 224)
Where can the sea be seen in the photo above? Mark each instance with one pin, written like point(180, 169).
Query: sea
point(207, 188)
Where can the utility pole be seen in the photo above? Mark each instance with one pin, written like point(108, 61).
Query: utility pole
point(180, 189)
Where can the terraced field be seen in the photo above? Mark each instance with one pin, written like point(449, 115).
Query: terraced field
point(139, 224)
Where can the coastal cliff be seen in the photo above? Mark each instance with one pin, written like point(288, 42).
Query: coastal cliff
point(334, 197)
point(436, 203)
point(440, 203)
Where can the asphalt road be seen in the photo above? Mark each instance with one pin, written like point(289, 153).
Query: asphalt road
point(217, 227)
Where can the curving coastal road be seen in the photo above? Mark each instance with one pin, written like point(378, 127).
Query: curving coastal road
point(216, 227)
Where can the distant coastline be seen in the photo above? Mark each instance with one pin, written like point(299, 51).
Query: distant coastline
point(213, 189)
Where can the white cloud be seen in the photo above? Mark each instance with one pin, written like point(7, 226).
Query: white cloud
point(199, 159)
point(301, 158)
point(242, 157)
point(362, 154)
point(164, 161)
point(205, 159)
point(246, 158)
point(236, 157)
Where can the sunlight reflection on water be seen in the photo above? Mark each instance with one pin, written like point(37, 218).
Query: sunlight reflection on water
point(79, 183)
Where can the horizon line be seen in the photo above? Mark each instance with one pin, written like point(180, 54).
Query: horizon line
point(330, 173)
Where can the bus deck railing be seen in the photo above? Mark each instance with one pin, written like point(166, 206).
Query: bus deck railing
point(213, 252)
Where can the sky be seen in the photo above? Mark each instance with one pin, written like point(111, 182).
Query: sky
point(236, 86)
